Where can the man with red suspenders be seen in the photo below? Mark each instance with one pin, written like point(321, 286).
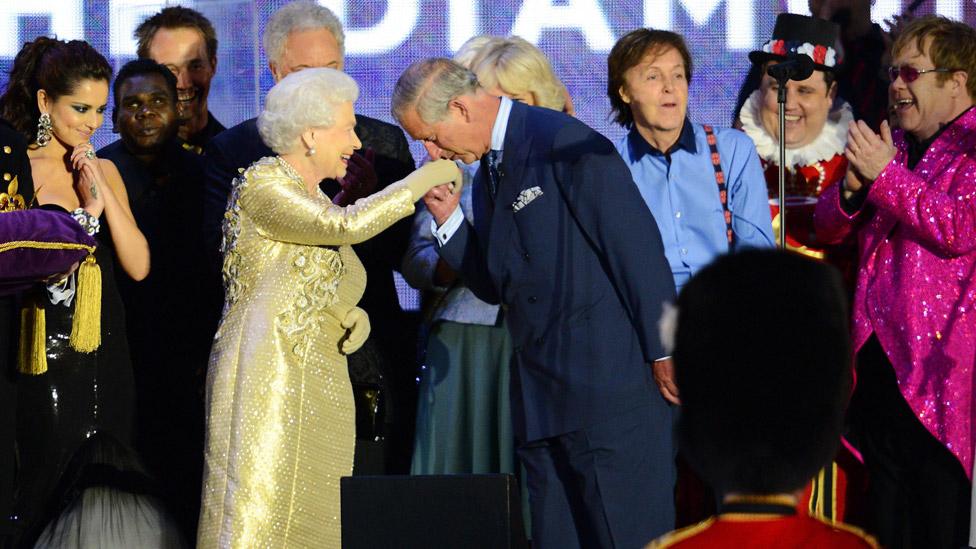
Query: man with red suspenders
point(704, 186)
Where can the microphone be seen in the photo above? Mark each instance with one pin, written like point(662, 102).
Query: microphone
point(796, 67)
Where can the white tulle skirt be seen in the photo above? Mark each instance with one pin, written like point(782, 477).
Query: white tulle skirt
point(109, 518)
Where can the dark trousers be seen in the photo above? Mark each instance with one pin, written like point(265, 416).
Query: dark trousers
point(918, 493)
point(608, 485)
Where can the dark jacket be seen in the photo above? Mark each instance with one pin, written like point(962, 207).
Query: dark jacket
point(581, 271)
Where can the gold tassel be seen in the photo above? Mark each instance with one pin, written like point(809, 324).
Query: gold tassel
point(32, 358)
point(86, 326)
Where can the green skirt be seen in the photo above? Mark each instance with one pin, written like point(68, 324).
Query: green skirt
point(463, 414)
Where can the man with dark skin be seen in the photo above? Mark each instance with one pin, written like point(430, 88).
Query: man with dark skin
point(145, 115)
point(172, 314)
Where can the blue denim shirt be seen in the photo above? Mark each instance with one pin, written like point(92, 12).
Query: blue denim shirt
point(679, 188)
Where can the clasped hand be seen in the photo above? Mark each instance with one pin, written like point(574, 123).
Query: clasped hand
point(90, 182)
point(357, 322)
point(442, 199)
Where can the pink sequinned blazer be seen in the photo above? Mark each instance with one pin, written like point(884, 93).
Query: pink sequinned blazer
point(916, 282)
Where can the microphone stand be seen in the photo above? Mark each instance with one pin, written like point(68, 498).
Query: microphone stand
point(795, 67)
point(781, 101)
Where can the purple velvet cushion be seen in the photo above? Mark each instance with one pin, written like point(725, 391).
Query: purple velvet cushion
point(22, 266)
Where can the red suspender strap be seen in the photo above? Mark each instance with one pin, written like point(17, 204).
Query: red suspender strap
point(723, 194)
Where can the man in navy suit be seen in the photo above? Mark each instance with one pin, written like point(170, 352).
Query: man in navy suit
point(562, 238)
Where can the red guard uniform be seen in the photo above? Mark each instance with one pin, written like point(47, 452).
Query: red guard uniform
point(766, 526)
point(813, 168)
point(810, 169)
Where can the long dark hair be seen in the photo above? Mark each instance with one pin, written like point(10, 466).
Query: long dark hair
point(54, 66)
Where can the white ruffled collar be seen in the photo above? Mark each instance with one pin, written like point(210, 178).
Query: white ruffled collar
point(829, 143)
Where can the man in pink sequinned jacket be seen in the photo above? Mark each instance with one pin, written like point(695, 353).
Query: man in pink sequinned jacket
point(911, 198)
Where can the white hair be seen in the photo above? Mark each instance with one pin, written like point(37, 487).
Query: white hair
point(299, 16)
point(302, 100)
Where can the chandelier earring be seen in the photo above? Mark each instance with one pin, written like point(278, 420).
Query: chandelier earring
point(43, 130)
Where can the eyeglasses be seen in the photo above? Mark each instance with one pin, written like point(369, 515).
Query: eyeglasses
point(910, 74)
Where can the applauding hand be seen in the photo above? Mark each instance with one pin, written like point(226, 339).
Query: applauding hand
point(868, 152)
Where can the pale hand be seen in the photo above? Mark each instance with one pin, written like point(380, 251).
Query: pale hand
point(441, 202)
point(852, 183)
point(357, 322)
point(868, 152)
point(664, 377)
point(90, 182)
point(61, 276)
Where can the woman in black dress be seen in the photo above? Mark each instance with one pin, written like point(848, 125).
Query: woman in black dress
point(74, 420)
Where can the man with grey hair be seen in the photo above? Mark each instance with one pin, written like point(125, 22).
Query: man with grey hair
point(562, 238)
point(303, 35)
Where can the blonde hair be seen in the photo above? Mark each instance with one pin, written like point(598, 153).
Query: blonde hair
point(471, 52)
point(516, 67)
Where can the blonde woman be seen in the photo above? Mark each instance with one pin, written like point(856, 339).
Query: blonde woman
point(515, 68)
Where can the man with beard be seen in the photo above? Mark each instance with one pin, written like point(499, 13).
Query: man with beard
point(303, 35)
point(184, 41)
point(171, 315)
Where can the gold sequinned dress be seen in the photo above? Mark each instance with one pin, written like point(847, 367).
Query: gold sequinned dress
point(280, 413)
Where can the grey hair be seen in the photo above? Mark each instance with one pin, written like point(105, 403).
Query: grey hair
point(305, 99)
point(298, 16)
point(429, 86)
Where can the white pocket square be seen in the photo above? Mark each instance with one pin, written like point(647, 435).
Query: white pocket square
point(526, 196)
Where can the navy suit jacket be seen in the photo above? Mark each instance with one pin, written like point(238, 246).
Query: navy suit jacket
point(581, 271)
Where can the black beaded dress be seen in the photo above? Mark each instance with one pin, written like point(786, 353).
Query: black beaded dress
point(75, 431)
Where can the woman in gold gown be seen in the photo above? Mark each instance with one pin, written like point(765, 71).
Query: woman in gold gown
point(280, 413)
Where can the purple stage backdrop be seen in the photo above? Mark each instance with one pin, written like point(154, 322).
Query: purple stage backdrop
point(383, 37)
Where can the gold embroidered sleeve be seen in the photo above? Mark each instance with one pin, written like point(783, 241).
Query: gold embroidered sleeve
point(283, 211)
